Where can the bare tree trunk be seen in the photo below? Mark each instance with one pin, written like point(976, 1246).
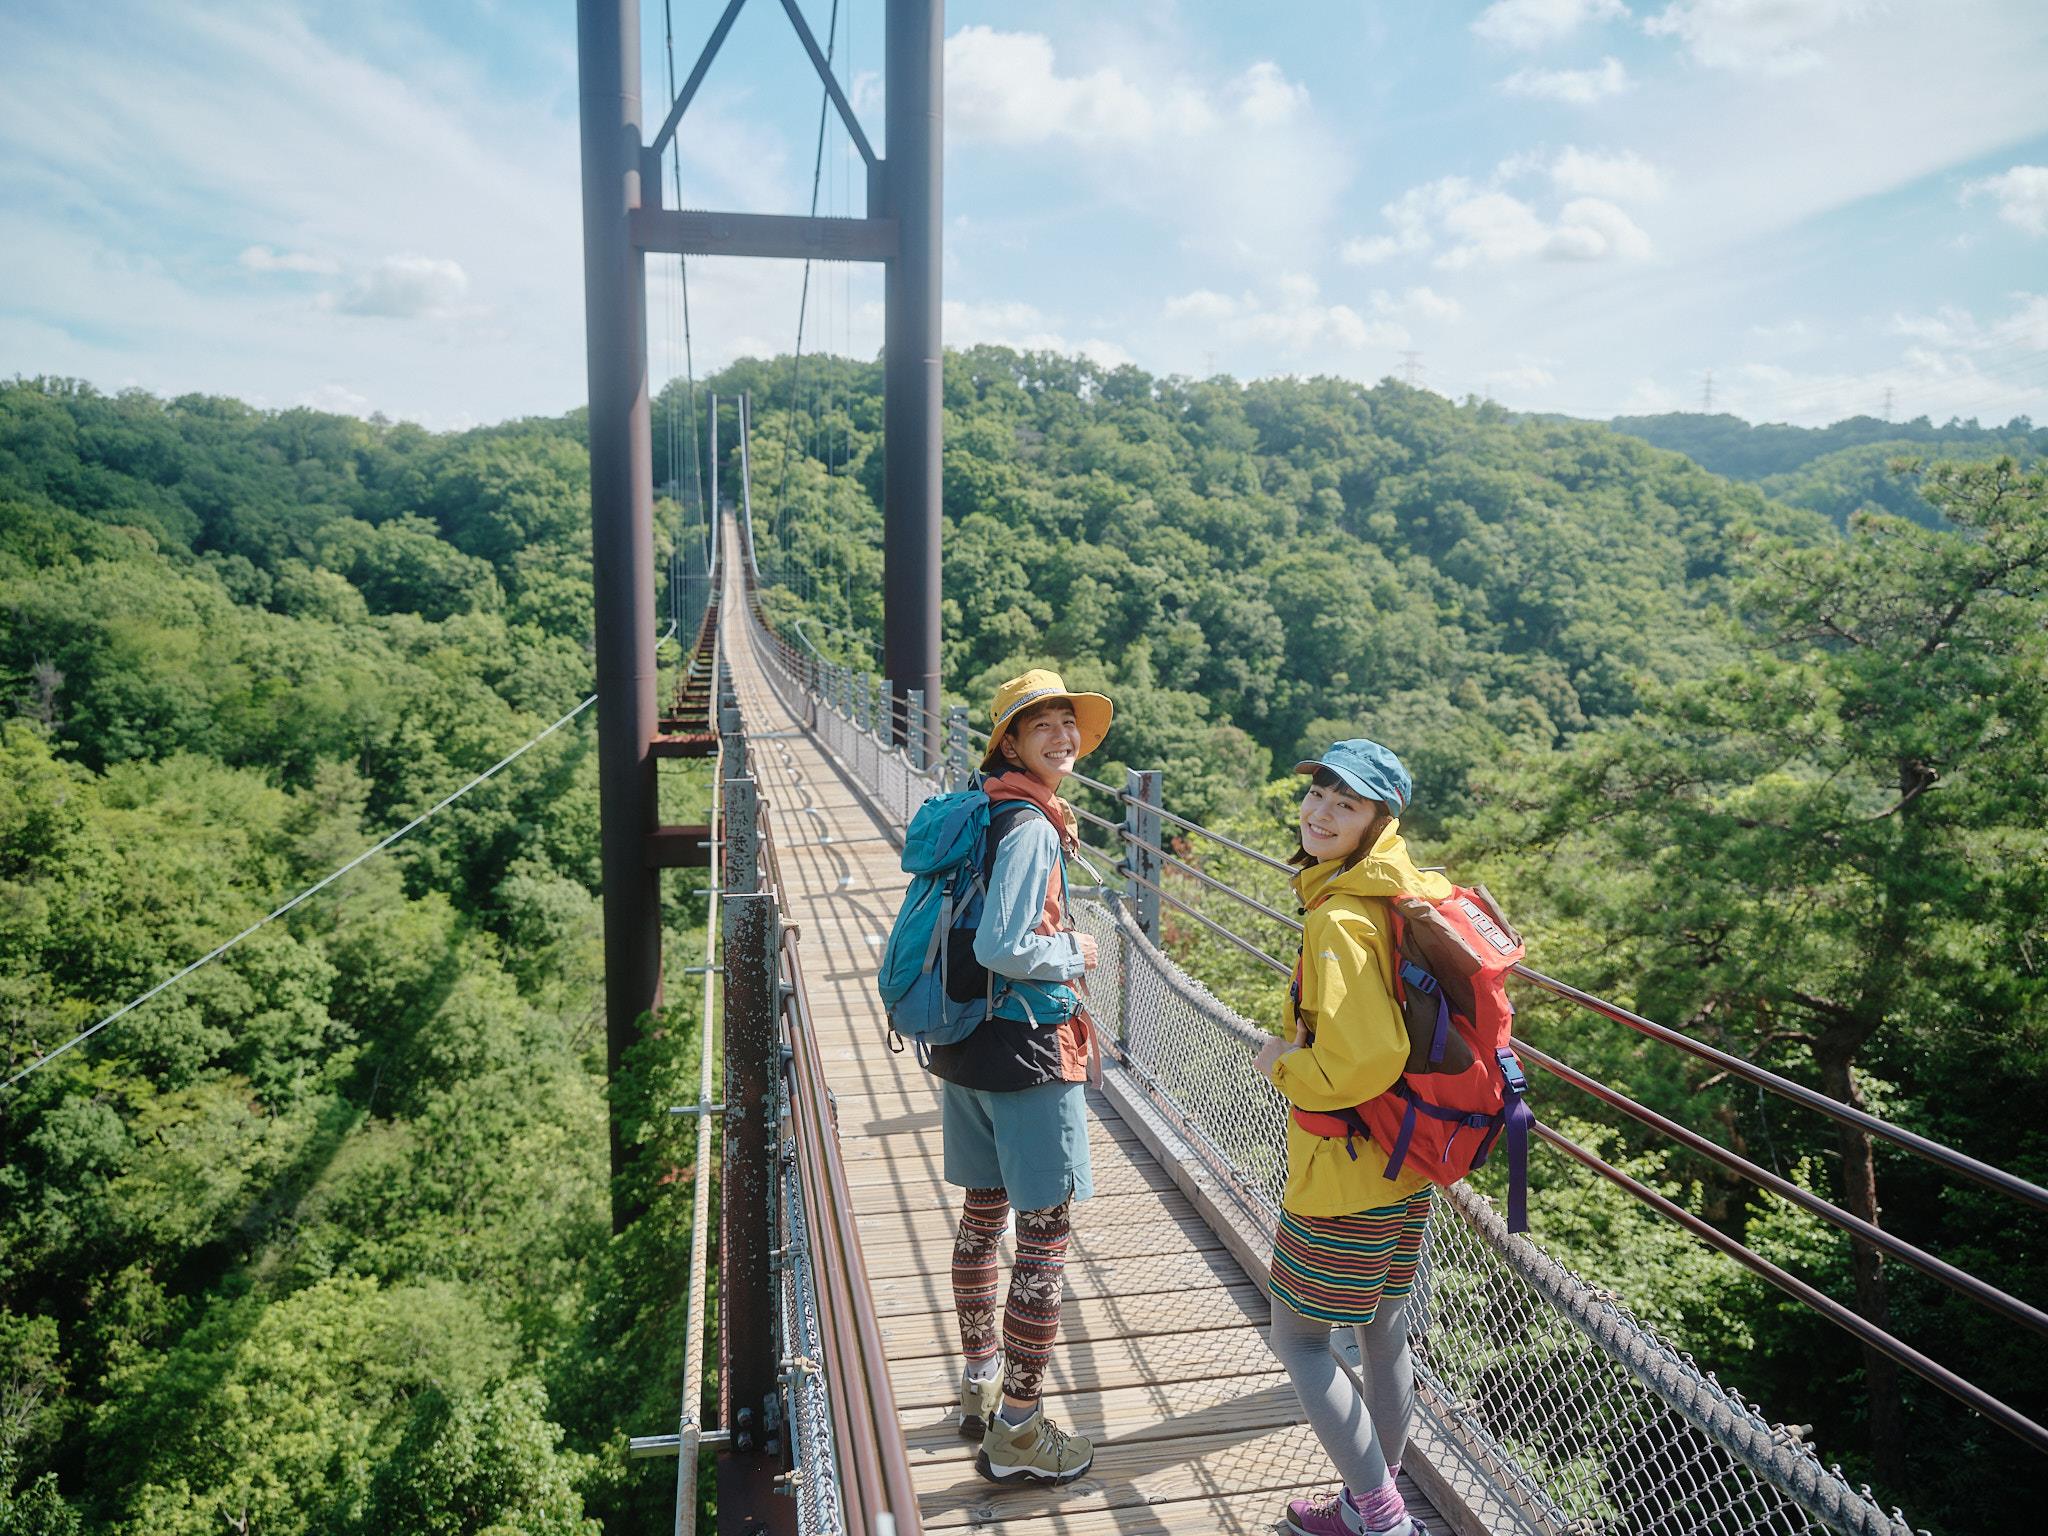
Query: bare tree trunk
point(1835, 1052)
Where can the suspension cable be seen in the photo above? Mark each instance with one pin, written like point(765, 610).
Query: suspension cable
point(683, 267)
point(796, 362)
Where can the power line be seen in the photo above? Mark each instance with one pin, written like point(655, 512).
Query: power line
point(312, 890)
point(796, 361)
point(689, 358)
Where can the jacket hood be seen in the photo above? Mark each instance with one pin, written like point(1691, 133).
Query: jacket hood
point(1386, 871)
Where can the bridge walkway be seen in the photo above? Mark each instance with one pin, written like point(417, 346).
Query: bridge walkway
point(1162, 1358)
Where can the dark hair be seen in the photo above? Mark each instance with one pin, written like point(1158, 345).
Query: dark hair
point(1028, 713)
point(1328, 778)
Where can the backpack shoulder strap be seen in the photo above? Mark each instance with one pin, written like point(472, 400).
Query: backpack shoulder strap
point(1003, 817)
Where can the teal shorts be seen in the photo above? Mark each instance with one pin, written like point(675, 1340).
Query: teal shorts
point(1032, 1142)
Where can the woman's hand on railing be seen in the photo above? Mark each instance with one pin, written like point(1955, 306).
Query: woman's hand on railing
point(1269, 1054)
point(1090, 952)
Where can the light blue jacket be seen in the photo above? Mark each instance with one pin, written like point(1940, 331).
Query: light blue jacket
point(1036, 965)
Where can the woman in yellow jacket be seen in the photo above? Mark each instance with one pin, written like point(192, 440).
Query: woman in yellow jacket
point(1349, 1238)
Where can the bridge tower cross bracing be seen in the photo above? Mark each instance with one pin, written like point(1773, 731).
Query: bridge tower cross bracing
point(623, 221)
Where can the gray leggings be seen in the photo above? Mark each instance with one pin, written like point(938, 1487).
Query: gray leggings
point(1361, 1434)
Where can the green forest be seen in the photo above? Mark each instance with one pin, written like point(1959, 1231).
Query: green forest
point(319, 1241)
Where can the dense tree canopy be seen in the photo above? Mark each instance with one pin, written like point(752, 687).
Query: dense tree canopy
point(317, 1241)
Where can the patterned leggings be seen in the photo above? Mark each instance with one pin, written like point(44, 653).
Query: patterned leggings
point(1031, 1321)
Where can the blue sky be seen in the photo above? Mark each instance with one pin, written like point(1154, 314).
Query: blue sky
point(1581, 205)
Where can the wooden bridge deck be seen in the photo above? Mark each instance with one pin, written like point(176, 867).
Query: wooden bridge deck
point(1162, 1358)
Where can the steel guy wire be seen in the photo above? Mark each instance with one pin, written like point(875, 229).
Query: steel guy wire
point(312, 890)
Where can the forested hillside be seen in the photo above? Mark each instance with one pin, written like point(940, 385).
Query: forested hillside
point(1252, 567)
point(1775, 784)
point(318, 1241)
point(1839, 469)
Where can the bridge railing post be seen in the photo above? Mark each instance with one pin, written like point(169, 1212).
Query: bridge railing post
point(956, 746)
point(913, 729)
point(749, 1316)
point(1141, 842)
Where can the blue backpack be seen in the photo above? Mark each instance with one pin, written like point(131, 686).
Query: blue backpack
point(934, 990)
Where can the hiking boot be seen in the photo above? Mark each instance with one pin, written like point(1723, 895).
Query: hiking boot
point(1336, 1515)
point(979, 1401)
point(1036, 1451)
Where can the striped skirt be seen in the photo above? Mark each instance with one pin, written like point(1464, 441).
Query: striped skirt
point(1337, 1268)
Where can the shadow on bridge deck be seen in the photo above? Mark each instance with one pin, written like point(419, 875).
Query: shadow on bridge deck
point(1162, 1358)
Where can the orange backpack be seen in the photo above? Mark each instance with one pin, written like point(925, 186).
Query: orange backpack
point(1463, 1086)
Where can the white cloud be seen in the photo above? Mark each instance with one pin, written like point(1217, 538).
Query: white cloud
point(1953, 364)
point(1202, 304)
point(1292, 318)
point(1523, 379)
point(1105, 354)
point(1012, 323)
point(1267, 97)
point(1425, 302)
point(1468, 225)
point(2021, 194)
point(1626, 177)
point(1772, 37)
point(1240, 166)
point(1577, 87)
point(338, 398)
point(406, 288)
point(1534, 23)
point(1954, 329)
point(261, 258)
point(1006, 88)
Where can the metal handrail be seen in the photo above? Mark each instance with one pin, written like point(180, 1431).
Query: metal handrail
point(880, 1458)
point(1854, 1323)
point(1947, 1157)
point(1956, 1279)
point(690, 1429)
point(880, 1497)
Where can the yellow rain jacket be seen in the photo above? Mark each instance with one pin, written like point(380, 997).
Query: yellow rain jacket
point(1358, 1043)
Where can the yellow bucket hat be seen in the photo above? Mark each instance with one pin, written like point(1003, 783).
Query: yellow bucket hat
point(1091, 710)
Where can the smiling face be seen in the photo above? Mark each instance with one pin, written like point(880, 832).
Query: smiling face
point(1044, 741)
point(1335, 821)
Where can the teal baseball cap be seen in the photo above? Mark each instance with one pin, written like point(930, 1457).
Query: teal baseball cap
point(1370, 769)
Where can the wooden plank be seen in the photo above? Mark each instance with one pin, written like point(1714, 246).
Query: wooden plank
point(1199, 1513)
point(914, 1335)
point(928, 1248)
point(1093, 1216)
point(918, 1189)
point(933, 1381)
point(931, 1253)
point(1128, 1415)
point(1145, 1274)
point(922, 1144)
point(1283, 1461)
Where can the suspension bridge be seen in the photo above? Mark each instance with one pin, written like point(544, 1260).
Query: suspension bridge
point(1546, 1405)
